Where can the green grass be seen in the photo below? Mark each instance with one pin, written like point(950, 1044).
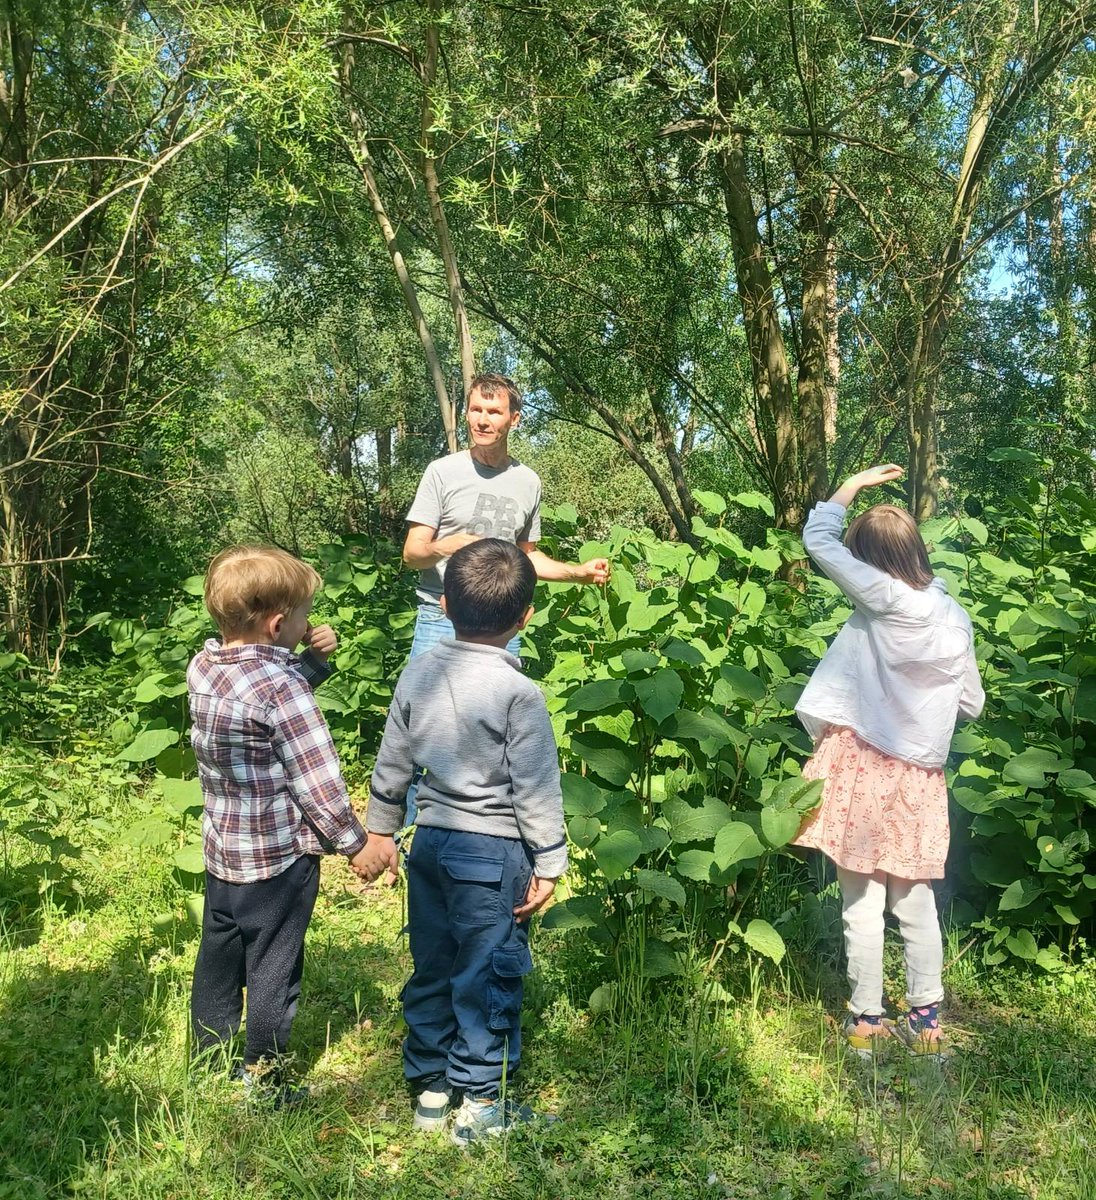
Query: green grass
point(747, 1097)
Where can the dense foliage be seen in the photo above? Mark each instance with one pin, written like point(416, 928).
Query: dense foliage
point(672, 693)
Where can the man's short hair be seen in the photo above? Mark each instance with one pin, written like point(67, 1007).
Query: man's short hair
point(245, 584)
point(488, 586)
point(494, 385)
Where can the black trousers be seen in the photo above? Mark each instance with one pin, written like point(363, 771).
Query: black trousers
point(253, 937)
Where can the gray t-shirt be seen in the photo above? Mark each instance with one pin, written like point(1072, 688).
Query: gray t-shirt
point(460, 495)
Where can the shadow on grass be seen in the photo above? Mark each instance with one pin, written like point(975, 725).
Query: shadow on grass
point(82, 1051)
point(685, 1101)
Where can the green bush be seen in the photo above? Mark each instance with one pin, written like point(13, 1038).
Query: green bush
point(672, 693)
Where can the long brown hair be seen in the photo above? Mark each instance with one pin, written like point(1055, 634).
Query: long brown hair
point(887, 537)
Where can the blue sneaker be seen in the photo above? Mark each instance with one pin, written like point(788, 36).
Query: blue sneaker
point(477, 1119)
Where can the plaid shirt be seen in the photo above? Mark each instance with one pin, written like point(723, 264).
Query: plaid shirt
point(270, 776)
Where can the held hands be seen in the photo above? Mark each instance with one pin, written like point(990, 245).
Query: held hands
point(872, 477)
point(379, 854)
point(539, 893)
point(321, 640)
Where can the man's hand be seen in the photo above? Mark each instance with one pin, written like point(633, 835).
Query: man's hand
point(539, 893)
point(597, 570)
point(379, 853)
point(321, 640)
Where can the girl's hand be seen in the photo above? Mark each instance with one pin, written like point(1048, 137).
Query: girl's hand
point(872, 477)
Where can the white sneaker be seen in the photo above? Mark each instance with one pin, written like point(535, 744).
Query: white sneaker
point(431, 1110)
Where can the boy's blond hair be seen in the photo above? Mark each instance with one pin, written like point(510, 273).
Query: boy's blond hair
point(887, 537)
point(244, 584)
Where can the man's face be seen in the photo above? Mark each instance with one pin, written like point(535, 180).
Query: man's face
point(490, 419)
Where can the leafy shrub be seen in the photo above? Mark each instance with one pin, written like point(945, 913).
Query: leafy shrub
point(672, 693)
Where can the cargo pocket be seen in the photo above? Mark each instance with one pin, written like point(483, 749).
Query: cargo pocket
point(509, 964)
point(476, 892)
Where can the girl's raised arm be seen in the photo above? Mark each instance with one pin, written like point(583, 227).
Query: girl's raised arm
point(866, 586)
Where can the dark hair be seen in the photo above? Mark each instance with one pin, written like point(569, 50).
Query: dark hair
point(888, 538)
point(488, 585)
point(491, 385)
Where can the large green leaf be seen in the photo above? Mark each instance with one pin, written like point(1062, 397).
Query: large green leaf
point(190, 858)
point(581, 796)
point(780, 825)
point(796, 792)
point(736, 842)
point(660, 959)
point(152, 831)
point(763, 938)
point(1030, 768)
point(583, 831)
point(1019, 894)
point(736, 683)
point(616, 852)
point(636, 661)
point(660, 695)
point(614, 760)
point(705, 727)
point(602, 693)
point(695, 864)
point(658, 884)
point(577, 912)
point(182, 796)
point(755, 500)
point(147, 744)
point(695, 823)
point(711, 502)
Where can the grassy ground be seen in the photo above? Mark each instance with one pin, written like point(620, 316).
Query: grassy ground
point(751, 1097)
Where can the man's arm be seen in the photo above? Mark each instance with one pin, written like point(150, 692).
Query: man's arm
point(597, 570)
point(422, 549)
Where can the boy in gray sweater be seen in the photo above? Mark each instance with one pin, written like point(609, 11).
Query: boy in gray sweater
point(489, 840)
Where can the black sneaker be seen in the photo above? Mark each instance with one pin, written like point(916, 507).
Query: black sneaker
point(266, 1089)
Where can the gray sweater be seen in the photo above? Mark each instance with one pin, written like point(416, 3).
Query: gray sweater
point(480, 730)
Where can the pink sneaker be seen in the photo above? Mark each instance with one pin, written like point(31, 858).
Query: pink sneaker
point(864, 1033)
point(920, 1029)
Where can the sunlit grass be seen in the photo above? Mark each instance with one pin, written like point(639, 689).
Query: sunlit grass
point(688, 1093)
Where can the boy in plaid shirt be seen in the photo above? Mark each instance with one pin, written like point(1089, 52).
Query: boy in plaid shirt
point(275, 801)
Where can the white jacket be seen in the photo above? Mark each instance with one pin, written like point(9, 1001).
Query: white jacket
point(902, 670)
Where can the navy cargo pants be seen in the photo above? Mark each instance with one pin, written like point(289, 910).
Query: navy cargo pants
point(462, 1004)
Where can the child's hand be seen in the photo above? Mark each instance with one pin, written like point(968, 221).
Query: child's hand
point(874, 476)
point(378, 854)
point(321, 640)
point(539, 893)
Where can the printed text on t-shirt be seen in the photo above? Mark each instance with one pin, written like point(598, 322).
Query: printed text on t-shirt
point(495, 516)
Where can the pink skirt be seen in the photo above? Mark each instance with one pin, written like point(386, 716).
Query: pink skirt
point(877, 813)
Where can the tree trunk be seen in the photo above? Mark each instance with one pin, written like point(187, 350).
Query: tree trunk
point(768, 355)
point(812, 384)
point(363, 160)
point(437, 209)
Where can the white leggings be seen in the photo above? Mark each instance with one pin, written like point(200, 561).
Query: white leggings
point(863, 900)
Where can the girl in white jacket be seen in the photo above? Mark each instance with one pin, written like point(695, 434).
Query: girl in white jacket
point(882, 707)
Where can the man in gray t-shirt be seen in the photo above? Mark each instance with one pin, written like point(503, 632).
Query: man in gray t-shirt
point(475, 493)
